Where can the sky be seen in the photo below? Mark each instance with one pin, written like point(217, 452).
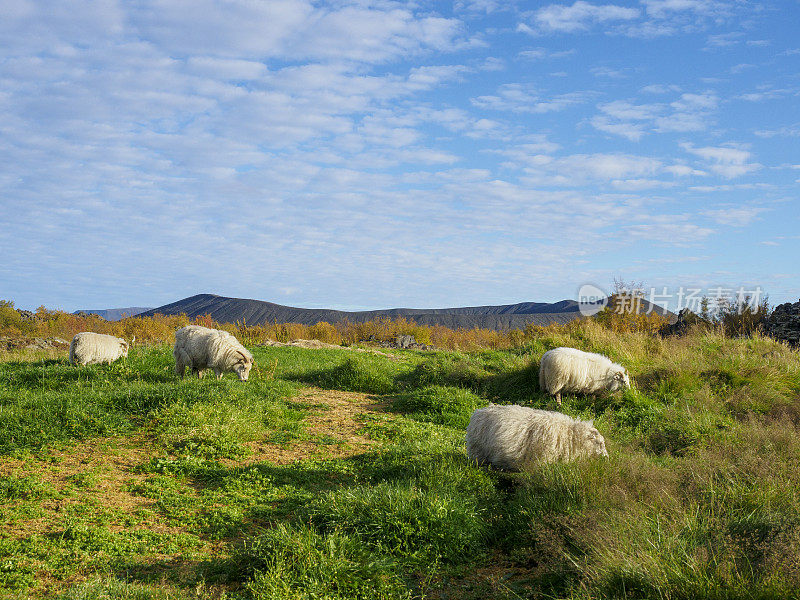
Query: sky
point(363, 155)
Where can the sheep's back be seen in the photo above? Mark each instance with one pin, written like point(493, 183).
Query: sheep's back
point(208, 347)
point(572, 369)
point(513, 437)
point(88, 347)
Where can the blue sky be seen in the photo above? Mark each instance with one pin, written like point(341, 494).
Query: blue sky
point(376, 154)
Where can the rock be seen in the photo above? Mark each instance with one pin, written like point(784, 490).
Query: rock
point(26, 343)
point(784, 323)
point(405, 341)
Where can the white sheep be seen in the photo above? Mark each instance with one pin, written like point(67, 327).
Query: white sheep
point(516, 437)
point(200, 348)
point(88, 348)
point(571, 370)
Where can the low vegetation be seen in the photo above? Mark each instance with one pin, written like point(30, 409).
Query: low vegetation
point(338, 475)
point(160, 329)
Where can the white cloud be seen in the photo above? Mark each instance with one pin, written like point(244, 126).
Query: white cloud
point(723, 40)
point(636, 185)
point(740, 68)
point(690, 112)
point(625, 111)
point(660, 88)
point(517, 97)
point(631, 131)
point(226, 68)
point(728, 161)
point(658, 18)
point(581, 16)
point(665, 9)
point(735, 216)
point(545, 53)
point(768, 93)
point(480, 6)
point(680, 170)
point(669, 229)
point(788, 131)
point(294, 29)
point(608, 72)
point(621, 170)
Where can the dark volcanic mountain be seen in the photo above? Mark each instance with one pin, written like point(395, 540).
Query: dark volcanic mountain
point(115, 314)
point(258, 312)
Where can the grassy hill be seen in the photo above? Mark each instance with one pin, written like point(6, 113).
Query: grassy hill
point(342, 474)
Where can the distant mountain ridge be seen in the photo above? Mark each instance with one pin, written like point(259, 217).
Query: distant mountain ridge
point(259, 312)
point(115, 314)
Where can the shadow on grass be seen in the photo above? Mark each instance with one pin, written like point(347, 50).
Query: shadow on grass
point(496, 382)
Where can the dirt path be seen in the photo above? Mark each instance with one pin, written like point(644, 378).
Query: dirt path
point(99, 476)
point(334, 427)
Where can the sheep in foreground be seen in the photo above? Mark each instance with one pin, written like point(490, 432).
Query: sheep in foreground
point(571, 370)
point(200, 348)
point(88, 348)
point(516, 437)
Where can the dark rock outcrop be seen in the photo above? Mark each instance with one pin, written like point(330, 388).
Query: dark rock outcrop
point(784, 323)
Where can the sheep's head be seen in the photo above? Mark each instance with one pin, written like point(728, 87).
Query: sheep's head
point(594, 442)
point(123, 345)
point(243, 365)
point(619, 379)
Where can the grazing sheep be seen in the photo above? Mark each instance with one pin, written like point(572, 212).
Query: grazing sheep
point(571, 370)
point(201, 348)
point(516, 437)
point(88, 348)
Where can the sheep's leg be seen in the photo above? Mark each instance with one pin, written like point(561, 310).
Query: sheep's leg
point(181, 362)
point(200, 373)
point(218, 373)
point(558, 398)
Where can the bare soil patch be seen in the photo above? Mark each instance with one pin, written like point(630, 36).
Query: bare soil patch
point(98, 471)
point(335, 425)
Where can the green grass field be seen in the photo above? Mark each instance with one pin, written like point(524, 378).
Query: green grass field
point(335, 474)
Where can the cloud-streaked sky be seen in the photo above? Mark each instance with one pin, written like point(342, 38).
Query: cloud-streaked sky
point(378, 154)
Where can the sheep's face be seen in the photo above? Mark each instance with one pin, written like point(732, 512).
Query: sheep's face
point(619, 380)
point(123, 349)
point(595, 443)
point(242, 368)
